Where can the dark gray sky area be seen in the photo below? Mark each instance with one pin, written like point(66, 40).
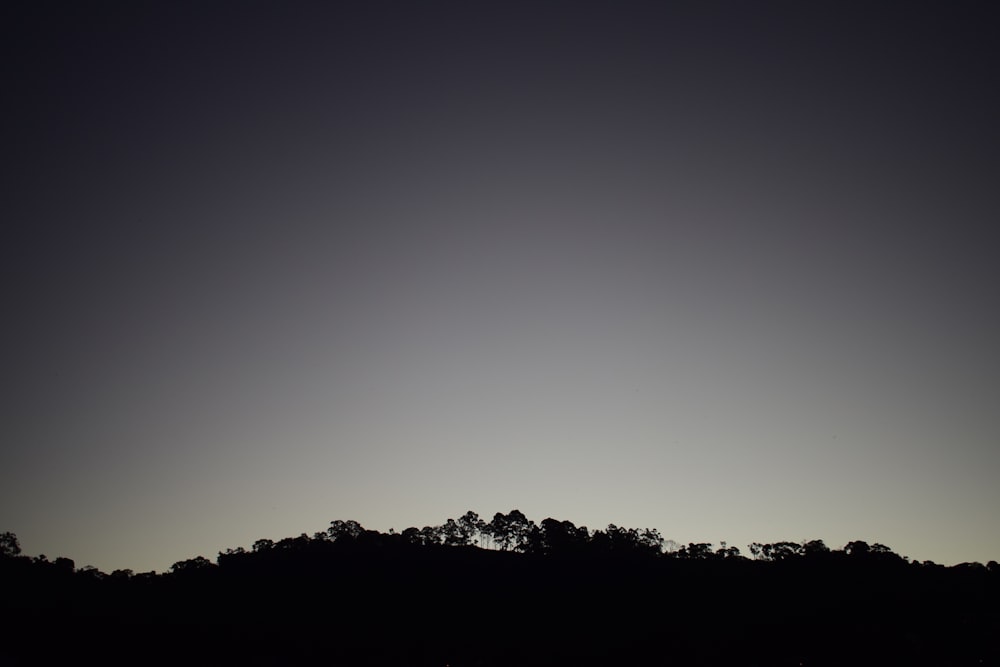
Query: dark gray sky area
point(728, 270)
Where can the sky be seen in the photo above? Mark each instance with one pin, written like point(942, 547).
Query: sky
point(727, 270)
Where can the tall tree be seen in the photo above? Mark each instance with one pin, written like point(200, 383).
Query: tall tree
point(520, 529)
point(499, 531)
point(471, 527)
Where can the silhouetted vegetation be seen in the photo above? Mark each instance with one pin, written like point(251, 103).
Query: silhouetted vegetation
point(506, 591)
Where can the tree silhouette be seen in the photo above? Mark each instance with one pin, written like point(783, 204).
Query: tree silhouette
point(562, 537)
point(430, 535)
point(191, 565)
point(452, 534)
point(9, 546)
point(520, 529)
point(65, 564)
point(471, 527)
point(340, 529)
point(857, 549)
point(499, 531)
point(695, 551)
point(815, 548)
point(724, 552)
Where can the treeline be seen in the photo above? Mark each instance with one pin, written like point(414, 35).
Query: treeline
point(506, 591)
point(512, 532)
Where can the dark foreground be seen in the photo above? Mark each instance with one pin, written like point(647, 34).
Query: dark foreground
point(357, 603)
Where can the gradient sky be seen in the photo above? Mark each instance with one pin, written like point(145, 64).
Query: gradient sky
point(726, 270)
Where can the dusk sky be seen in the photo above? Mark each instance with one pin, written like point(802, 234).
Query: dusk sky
point(727, 270)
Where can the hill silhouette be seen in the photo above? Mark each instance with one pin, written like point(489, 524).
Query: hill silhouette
point(505, 592)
